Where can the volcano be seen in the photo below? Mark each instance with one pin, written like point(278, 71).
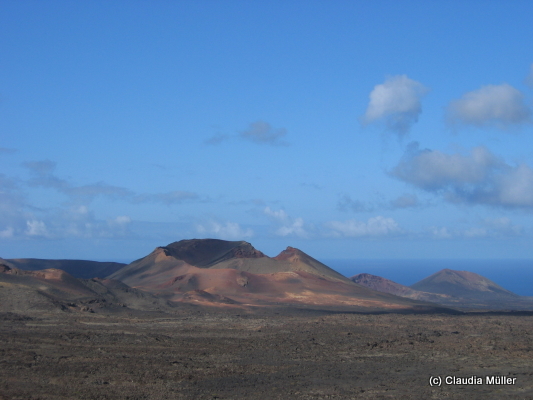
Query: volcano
point(204, 270)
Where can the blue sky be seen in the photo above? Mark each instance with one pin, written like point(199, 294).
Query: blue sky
point(370, 129)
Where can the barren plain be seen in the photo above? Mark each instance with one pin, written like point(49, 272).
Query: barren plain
point(210, 353)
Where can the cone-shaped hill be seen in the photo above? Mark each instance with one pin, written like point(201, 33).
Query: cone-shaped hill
point(462, 284)
point(201, 269)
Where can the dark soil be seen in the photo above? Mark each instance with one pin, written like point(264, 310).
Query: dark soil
point(227, 355)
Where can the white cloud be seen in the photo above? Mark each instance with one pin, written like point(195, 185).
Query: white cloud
point(491, 105)
point(279, 215)
point(36, 228)
point(229, 230)
point(296, 228)
point(25, 219)
point(71, 219)
point(287, 225)
point(75, 222)
point(263, 133)
point(396, 102)
point(376, 226)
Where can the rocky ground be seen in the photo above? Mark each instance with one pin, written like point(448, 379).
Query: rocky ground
point(198, 354)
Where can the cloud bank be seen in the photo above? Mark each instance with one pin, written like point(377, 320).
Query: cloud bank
point(19, 218)
point(397, 103)
point(43, 176)
point(476, 178)
point(486, 228)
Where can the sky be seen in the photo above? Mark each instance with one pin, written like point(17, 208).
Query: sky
point(347, 129)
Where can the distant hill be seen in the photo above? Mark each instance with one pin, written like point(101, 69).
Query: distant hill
point(234, 272)
point(83, 269)
point(54, 290)
point(450, 288)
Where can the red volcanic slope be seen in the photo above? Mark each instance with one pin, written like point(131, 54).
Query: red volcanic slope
point(237, 271)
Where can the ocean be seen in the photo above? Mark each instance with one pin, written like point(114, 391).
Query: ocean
point(513, 275)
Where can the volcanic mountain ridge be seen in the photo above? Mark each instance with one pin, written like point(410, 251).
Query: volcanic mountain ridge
point(236, 272)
